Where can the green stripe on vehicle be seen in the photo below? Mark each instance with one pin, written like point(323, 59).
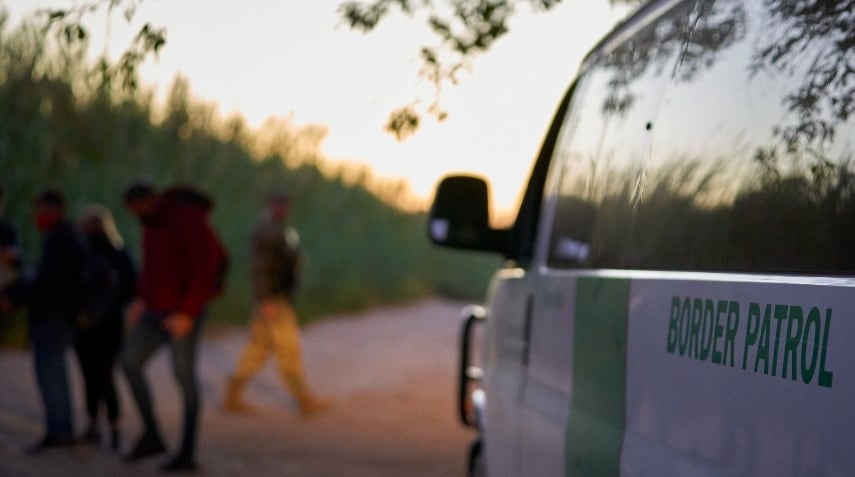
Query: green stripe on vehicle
point(597, 407)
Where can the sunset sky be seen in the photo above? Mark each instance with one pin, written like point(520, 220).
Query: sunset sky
point(264, 58)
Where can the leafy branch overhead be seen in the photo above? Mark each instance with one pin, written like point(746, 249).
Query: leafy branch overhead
point(464, 29)
point(67, 25)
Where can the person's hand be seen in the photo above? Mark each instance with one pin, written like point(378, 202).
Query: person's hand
point(178, 324)
point(134, 312)
point(6, 305)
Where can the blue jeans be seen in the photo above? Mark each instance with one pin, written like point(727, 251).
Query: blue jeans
point(51, 337)
point(144, 339)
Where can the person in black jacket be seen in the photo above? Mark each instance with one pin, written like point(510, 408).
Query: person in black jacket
point(101, 332)
point(52, 295)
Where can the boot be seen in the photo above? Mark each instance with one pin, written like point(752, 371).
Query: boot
point(311, 405)
point(233, 399)
point(149, 444)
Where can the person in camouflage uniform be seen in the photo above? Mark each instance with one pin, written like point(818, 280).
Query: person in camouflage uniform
point(274, 328)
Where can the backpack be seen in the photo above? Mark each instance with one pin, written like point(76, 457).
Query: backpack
point(100, 287)
point(189, 196)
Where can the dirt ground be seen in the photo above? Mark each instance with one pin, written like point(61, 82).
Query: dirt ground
point(391, 373)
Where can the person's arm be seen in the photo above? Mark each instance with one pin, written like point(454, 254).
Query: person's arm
point(202, 252)
point(9, 245)
point(127, 276)
point(130, 287)
point(196, 238)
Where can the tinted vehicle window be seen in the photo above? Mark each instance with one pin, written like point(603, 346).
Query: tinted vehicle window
point(747, 163)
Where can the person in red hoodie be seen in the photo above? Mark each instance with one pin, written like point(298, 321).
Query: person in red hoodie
point(181, 263)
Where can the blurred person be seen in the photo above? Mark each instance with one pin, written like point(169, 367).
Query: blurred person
point(10, 261)
point(181, 263)
point(10, 264)
point(100, 337)
point(53, 297)
point(274, 328)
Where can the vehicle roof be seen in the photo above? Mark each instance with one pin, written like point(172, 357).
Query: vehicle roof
point(642, 16)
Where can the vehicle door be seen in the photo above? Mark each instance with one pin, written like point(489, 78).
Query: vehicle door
point(504, 369)
point(573, 398)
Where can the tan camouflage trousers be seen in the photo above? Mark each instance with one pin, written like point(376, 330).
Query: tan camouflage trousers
point(274, 330)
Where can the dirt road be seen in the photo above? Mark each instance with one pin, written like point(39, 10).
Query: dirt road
point(391, 373)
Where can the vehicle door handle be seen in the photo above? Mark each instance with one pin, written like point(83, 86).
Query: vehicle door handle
point(529, 305)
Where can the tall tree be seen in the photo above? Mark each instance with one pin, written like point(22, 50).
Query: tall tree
point(68, 26)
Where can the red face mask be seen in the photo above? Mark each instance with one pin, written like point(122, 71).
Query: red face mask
point(46, 219)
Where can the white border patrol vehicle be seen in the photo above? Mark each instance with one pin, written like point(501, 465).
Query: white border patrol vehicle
point(678, 297)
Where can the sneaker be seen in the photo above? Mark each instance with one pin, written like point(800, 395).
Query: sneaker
point(148, 445)
point(236, 405)
point(50, 442)
point(180, 463)
point(233, 400)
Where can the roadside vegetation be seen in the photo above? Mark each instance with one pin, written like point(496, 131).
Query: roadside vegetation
point(70, 123)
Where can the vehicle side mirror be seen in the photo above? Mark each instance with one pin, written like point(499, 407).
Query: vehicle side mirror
point(460, 217)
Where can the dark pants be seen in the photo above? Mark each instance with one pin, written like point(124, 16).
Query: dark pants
point(97, 350)
point(51, 337)
point(144, 339)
